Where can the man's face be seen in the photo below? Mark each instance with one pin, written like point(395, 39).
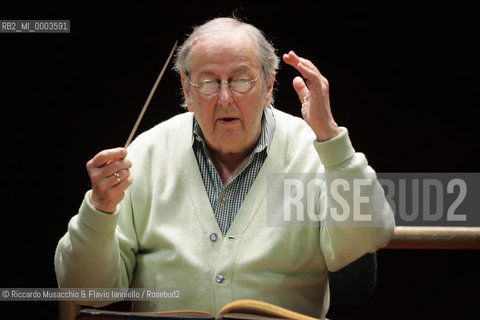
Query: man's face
point(230, 121)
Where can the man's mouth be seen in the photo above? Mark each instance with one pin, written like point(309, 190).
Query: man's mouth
point(228, 120)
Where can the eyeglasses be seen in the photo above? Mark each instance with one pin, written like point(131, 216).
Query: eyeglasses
point(212, 87)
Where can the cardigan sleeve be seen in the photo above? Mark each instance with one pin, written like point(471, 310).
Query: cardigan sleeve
point(95, 253)
point(357, 216)
point(100, 250)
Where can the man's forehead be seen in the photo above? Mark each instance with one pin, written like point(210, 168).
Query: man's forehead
point(224, 45)
point(234, 70)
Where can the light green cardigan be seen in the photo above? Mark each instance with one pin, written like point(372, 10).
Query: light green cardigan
point(159, 237)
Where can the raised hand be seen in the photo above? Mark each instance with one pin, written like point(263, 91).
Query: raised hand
point(314, 97)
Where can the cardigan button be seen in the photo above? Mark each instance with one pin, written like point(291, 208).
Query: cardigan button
point(219, 278)
point(213, 236)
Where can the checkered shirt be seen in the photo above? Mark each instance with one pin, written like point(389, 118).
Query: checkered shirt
point(226, 200)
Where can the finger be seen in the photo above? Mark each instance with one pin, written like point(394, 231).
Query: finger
point(122, 186)
point(119, 176)
point(102, 176)
point(301, 88)
point(288, 59)
point(106, 156)
point(312, 76)
point(306, 68)
point(111, 185)
point(115, 166)
point(109, 168)
point(107, 199)
point(117, 191)
point(293, 59)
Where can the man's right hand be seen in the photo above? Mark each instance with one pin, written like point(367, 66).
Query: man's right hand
point(110, 177)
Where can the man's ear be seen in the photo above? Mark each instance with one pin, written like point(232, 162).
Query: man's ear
point(269, 93)
point(186, 93)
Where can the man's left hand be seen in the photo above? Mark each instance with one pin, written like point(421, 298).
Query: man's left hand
point(314, 97)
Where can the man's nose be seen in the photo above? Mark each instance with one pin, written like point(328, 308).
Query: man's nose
point(224, 94)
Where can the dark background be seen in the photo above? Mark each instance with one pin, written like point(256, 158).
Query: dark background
point(403, 77)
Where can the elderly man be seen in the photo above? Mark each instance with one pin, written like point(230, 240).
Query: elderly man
point(188, 208)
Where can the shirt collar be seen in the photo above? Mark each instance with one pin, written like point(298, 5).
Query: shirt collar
point(266, 135)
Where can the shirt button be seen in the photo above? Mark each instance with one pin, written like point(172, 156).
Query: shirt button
point(198, 139)
point(219, 278)
point(213, 236)
point(223, 199)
